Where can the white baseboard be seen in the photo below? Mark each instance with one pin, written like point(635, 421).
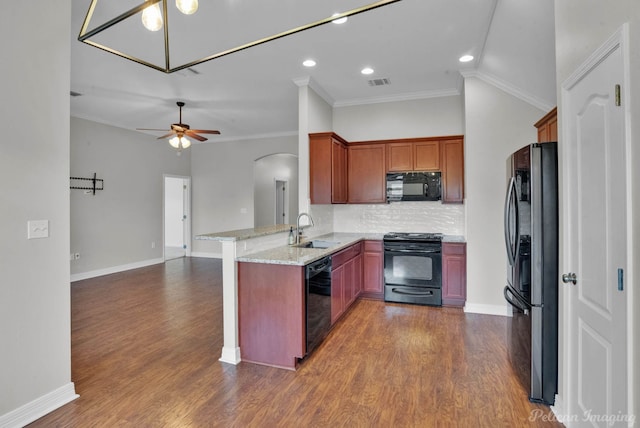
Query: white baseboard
point(478, 308)
point(559, 410)
point(114, 269)
point(206, 255)
point(39, 407)
point(230, 355)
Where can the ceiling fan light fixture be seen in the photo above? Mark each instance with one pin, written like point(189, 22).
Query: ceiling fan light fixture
point(188, 7)
point(152, 17)
point(180, 142)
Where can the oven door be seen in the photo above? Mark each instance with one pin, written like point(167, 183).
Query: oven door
point(413, 265)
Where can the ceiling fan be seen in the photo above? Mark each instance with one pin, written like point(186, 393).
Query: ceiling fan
point(179, 131)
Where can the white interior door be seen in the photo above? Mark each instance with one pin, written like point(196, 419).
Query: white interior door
point(177, 222)
point(595, 243)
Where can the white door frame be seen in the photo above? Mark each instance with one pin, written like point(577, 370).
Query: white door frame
point(618, 40)
point(286, 199)
point(187, 210)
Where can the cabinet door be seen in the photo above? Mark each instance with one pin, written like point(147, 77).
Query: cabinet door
point(353, 280)
point(426, 156)
point(338, 172)
point(320, 152)
point(454, 274)
point(452, 162)
point(337, 293)
point(357, 276)
point(548, 127)
point(367, 178)
point(372, 270)
point(399, 157)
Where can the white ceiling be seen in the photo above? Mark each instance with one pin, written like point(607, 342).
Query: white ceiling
point(414, 43)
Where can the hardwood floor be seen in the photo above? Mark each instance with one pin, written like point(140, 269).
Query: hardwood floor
point(146, 343)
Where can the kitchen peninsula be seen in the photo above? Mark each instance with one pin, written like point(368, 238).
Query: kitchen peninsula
point(283, 312)
point(266, 297)
point(253, 239)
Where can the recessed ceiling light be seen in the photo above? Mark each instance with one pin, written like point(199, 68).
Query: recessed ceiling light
point(339, 20)
point(466, 58)
point(367, 70)
point(309, 63)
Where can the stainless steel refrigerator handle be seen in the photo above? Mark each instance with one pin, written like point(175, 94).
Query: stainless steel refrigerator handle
point(512, 252)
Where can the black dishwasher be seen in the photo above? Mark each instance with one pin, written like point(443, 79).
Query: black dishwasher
point(318, 301)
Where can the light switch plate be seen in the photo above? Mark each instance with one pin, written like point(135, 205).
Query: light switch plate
point(37, 229)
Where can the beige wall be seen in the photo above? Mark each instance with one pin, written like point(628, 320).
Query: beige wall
point(118, 225)
point(35, 348)
point(497, 124)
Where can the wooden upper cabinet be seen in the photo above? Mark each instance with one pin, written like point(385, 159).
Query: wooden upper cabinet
point(366, 174)
point(413, 156)
point(338, 172)
point(327, 168)
point(452, 164)
point(399, 157)
point(426, 156)
point(548, 127)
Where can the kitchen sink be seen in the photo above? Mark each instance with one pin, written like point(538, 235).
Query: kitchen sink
point(318, 243)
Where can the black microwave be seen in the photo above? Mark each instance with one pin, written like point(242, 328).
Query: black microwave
point(414, 186)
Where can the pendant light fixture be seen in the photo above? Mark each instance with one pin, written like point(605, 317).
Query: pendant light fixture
point(188, 7)
point(155, 16)
point(152, 17)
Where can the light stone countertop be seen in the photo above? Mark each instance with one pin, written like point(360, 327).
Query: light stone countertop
point(454, 238)
point(240, 234)
point(296, 256)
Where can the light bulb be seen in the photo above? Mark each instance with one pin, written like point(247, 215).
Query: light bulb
point(152, 17)
point(187, 7)
point(180, 142)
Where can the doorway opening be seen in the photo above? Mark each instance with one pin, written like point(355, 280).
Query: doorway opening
point(282, 202)
point(176, 217)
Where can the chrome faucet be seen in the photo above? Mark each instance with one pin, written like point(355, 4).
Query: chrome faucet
point(298, 228)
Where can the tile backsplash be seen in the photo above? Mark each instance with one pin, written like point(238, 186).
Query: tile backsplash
point(400, 217)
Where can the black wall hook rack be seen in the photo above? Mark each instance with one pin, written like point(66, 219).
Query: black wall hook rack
point(94, 181)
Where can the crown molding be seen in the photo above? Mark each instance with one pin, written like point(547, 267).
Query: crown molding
point(308, 81)
point(509, 89)
point(401, 97)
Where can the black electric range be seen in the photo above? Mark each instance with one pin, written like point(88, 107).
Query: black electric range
point(413, 268)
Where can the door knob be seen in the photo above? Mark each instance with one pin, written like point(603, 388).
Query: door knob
point(569, 278)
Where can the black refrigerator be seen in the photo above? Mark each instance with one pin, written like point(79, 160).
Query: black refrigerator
point(531, 237)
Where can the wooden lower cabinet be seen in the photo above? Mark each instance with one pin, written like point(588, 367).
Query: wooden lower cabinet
point(346, 279)
point(454, 273)
point(271, 319)
point(373, 270)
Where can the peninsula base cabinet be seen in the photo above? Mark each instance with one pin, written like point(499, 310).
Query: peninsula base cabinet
point(454, 273)
point(271, 314)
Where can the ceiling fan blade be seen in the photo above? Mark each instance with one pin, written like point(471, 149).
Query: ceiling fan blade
point(192, 134)
point(206, 131)
point(167, 135)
